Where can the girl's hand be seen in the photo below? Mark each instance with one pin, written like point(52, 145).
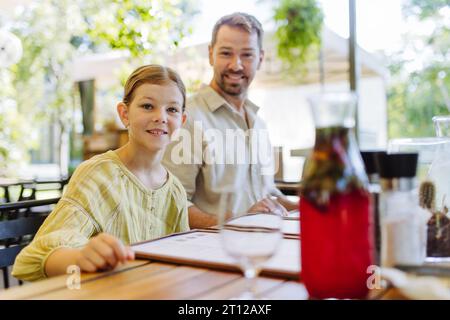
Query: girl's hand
point(103, 252)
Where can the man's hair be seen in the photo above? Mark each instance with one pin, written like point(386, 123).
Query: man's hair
point(240, 20)
point(152, 74)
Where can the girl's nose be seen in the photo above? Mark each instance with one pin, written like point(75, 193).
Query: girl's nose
point(160, 115)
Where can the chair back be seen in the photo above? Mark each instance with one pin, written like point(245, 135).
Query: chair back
point(30, 189)
point(18, 225)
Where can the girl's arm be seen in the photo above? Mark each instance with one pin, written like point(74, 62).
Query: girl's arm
point(102, 252)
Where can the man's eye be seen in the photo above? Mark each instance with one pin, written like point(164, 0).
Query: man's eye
point(147, 106)
point(225, 53)
point(173, 109)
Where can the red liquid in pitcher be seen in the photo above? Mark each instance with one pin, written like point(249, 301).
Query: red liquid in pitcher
point(336, 246)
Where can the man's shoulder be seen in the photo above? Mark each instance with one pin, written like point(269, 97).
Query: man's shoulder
point(197, 107)
point(197, 101)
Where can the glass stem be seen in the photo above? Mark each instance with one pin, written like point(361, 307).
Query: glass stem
point(250, 281)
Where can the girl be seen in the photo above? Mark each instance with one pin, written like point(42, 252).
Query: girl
point(119, 197)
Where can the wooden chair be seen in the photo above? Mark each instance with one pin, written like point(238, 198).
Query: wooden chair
point(18, 225)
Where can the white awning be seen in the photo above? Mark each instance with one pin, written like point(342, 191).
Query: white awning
point(98, 66)
point(192, 63)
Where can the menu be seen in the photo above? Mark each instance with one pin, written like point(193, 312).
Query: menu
point(203, 248)
point(290, 225)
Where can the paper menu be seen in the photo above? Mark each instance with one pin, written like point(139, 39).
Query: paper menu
point(203, 249)
point(289, 226)
point(293, 215)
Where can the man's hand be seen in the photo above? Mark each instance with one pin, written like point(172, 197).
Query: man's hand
point(268, 205)
point(288, 204)
point(103, 252)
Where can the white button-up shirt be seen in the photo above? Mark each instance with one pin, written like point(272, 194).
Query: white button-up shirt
point(223, 163)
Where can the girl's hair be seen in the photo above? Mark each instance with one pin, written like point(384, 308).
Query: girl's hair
point(153, 74)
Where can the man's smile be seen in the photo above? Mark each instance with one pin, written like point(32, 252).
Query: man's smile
point(235, 77)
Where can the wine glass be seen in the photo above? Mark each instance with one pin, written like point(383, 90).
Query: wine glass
point(251, 240)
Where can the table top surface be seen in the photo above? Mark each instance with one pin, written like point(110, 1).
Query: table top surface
point(154, 279)
point(144, 279)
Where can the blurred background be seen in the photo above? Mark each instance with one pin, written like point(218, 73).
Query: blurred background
point(63, 64)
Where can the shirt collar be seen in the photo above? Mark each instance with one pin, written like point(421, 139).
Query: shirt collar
point(214, 100)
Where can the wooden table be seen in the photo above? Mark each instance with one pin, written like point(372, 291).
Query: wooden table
point(155, 279)
point(143, 279)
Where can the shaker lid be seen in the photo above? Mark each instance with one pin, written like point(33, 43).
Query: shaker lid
point(396, 165)
point(368, 157)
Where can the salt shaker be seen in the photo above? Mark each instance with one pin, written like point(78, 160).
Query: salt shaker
point(403, 221)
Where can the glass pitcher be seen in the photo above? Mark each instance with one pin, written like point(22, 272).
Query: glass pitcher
point(335, 209)
point(438, 241)
point(442, 125)
point(439, 171)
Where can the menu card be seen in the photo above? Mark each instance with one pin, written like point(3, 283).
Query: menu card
point(293, 215)
point(202, 248)
point(290, 226)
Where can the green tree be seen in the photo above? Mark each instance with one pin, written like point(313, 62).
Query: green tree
point(54, 32)
point(144, 28)
point(421, 70)
point(43, 83)
point(15, 137)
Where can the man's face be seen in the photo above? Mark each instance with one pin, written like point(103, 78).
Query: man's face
point(235, 58)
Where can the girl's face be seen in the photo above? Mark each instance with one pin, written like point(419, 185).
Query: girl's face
point(153, 115)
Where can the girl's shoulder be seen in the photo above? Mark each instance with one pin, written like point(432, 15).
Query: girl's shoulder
point(100, 166)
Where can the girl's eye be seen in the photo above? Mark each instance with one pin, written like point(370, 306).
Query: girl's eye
point(147, 106)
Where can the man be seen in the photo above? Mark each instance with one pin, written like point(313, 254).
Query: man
point(218, 115)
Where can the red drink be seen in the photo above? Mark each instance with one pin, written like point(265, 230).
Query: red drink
point(336, 247)
point(336, 218)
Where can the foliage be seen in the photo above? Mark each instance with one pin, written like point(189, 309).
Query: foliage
point(424, 8)
point(143, 27)
point(414, 101)
point(299, 26)
point(14, 138)
point(55, 32)
point(43, 77)
point(421, 71)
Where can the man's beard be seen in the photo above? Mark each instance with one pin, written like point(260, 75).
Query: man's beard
point(235, 89)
